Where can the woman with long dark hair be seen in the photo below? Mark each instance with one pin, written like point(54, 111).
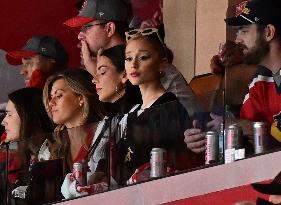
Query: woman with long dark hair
point(114, 89)
point(27, 126)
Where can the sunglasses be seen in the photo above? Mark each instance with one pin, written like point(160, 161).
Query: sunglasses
point(86, 27)
point(144, 32)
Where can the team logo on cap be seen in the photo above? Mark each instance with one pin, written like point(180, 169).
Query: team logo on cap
point(29, 41)
point(43, 49)
point(241, 8)
point(84, 4)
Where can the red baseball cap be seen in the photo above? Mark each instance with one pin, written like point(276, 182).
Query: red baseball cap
point(110, 10)
point(39, 45)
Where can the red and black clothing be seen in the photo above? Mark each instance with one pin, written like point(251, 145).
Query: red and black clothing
point(263, 101)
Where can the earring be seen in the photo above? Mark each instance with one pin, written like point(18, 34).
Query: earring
point(161, 73)
point(119, 88)
point(80, 104)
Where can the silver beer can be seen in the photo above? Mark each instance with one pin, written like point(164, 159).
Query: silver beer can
point(80, 173)
point(233, 137)
point(158, 160)
point(212, 147)
point(261, 132)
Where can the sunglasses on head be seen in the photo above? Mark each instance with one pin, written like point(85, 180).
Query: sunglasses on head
point(144, 32)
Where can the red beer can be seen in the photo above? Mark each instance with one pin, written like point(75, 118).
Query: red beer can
point(80, 173)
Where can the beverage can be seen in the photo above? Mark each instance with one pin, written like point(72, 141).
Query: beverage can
point(261, 132)
point(158, 160)
point(80, 173)
point(212, 147)
point(233, 137)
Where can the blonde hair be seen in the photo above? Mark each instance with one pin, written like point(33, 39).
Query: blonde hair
point(80, 82)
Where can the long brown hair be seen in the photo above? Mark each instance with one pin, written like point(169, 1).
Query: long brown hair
point(80, 82)
point(33, 116)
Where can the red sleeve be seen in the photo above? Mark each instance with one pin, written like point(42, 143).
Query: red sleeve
point(253, 107)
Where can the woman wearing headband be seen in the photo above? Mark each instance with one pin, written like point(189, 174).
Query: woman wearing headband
point(160, 120)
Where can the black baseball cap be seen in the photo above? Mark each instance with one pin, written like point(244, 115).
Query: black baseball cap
point(47, 46)
point(256, 11)
point(273, 188)
point(109, 10)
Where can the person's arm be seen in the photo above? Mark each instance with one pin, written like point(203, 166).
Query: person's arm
point(195, 139)
point(174, 82)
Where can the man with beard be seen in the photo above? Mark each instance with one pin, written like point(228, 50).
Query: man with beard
point(259, 35)
point(259, 27)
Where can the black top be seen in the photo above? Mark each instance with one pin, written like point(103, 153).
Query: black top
point(125, 103)
point(160, 126)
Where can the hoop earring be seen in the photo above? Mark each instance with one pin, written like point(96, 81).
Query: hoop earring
point(117, 91)
point(119, 88)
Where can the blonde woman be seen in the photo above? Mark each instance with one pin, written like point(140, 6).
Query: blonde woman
point(72, 103)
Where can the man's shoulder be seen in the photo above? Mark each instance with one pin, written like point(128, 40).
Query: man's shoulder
point(262, 70)
point(262, 75)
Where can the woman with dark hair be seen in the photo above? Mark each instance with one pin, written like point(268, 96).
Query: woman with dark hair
point(111, 81)
point(27, 126)
point(120, 95)
point(159, 121)
point(27, 122)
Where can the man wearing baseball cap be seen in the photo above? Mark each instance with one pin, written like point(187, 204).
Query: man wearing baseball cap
point(39, 58)
point(102, 24)
point(259, 35)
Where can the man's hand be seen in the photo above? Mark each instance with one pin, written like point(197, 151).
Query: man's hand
point(89, 61)
point(195, 139)
point(215, 123)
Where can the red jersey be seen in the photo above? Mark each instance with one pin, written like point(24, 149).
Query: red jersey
point(263, 101)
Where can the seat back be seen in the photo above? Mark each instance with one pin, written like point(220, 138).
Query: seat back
point(208, 89)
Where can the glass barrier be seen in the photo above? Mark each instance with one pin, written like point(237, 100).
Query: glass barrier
point(149, 143)
point(139, 146)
